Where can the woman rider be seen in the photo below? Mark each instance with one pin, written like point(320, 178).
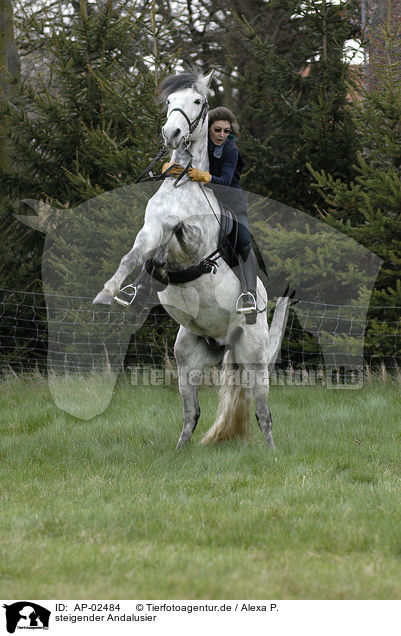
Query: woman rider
point(225, 165)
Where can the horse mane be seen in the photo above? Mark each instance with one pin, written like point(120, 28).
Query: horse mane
point(188, 79)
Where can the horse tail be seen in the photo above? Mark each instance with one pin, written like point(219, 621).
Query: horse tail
point(232, 420)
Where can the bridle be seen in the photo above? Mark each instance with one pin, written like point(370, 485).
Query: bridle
point(192, 125)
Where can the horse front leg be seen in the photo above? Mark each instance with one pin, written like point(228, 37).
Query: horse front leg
point(148, 240)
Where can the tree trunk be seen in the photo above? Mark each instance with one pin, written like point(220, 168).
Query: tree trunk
point(9, 66)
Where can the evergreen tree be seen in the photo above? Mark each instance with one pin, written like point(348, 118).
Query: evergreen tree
point(368, 208)
point(87, 125)
point(95, 128)
point(295, 105)
point(376, 14)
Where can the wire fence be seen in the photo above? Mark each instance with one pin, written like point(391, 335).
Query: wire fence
point(69, 334)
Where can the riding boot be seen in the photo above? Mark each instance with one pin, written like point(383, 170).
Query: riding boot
point(246, 303)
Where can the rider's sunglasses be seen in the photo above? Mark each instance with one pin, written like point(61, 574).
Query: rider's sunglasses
point(226, 130)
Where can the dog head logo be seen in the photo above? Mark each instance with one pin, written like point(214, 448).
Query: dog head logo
point(26, 615)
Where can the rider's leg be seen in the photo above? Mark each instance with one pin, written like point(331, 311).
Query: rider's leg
point(248, 264)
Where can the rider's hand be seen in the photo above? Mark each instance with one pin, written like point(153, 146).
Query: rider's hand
point(175, 170)
point(199, 175)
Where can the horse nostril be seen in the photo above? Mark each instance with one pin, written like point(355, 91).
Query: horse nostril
point(177, 132)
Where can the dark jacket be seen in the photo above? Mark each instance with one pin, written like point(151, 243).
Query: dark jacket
point(226, 171)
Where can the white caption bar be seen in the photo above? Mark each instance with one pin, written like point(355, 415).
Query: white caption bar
point(275, 618)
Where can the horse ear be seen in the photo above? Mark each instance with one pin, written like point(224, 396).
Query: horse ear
point(208, 78)
point(36, 222)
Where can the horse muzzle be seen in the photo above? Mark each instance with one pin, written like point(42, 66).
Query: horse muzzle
point(173, 136)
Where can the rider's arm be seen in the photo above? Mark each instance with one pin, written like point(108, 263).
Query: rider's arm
point(228, 168)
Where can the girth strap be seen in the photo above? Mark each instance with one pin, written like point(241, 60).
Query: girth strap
point(206, 265)
point(225, 250)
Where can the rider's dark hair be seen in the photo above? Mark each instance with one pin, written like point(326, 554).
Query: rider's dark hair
point(221, 113)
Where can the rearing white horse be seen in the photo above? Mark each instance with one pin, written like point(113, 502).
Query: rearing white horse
point(182, 227)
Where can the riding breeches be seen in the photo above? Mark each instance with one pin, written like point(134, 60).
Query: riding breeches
point(234, 199)
point(244, 235)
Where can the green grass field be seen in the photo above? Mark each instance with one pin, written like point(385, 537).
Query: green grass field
point(107, 509)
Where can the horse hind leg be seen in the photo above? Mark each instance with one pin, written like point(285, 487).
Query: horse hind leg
point(232, 419)
point(192, 354)
point(191, 411)
point(261, 388)
point(262, 411)
point(251, 353)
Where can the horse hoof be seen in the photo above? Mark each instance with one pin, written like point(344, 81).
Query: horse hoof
point(103, 298)
point(270, 444)
point(181, 444)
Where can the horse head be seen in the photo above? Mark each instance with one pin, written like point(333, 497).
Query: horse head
point(81, 338)
point(185, 97)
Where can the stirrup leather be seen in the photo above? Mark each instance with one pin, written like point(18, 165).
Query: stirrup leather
point(131, 295)
point(246, 310)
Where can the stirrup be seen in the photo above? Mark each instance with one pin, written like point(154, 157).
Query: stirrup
point(246, 310)
point(131, 294)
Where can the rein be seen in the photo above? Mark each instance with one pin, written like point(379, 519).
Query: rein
point(147, 170)
point(159, 177)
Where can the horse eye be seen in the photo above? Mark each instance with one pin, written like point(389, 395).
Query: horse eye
point(197, 101)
